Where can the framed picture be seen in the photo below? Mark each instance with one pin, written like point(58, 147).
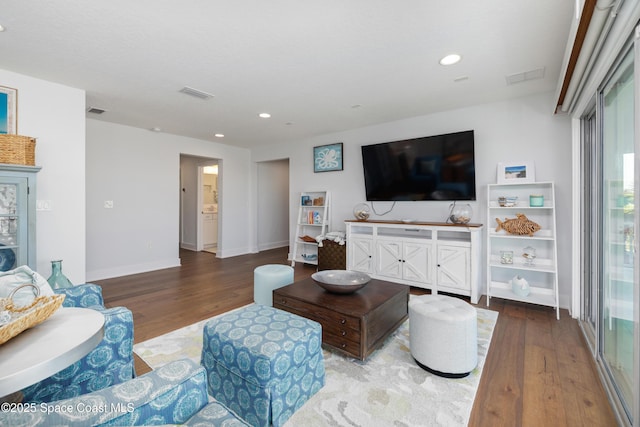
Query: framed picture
point(516, 172)
point(327, 158)
point(8, 110)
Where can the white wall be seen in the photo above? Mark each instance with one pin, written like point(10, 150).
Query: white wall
point(273, 204)
point(517, 130)
point(54, 114)
point(139, 171)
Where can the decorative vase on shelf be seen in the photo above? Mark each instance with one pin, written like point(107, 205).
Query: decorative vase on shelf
point(361, 212)
point(57, 280)
point(529, 254)
point(460, 214)
point(520, 286)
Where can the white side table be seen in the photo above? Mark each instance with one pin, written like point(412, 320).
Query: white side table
point(37, 353)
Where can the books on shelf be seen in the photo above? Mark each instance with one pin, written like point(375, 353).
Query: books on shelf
point(314, 217)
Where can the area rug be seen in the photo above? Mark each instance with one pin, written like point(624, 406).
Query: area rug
point(388, 389)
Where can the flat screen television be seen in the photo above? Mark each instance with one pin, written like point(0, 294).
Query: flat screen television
point(440, 167)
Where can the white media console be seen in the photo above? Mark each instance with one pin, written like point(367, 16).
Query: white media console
point(439, 256)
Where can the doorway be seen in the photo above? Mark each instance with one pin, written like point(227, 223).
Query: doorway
point(200, 203)
point(209, 213)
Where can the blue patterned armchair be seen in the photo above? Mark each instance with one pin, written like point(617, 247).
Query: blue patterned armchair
point(175, 393)
point(110, 363)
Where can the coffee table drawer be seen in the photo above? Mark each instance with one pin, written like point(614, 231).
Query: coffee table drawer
point(330, 320)
point(353, 348)
point(338, 330)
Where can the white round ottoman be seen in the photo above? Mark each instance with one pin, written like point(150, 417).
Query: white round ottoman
point(443, 335)
point(268, 277)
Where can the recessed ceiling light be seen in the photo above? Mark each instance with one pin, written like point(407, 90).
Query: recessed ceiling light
point(450, 59)
point(1, 28)
point(219, 135)
point(264, 115)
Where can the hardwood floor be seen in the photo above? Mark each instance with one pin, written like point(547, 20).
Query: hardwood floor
point(538, 370)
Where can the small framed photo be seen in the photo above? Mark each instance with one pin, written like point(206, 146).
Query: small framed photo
point(8, 110)
point(516, 173)
point(327, 158)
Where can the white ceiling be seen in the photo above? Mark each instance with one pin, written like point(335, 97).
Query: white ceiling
point(317, 66)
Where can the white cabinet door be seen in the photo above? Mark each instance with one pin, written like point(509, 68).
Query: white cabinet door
point(389, 258)
point(454, 266)
point(360, 254)
point(404, 260)
point(417, 262)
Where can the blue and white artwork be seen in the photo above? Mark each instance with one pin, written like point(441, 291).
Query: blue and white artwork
point(4, 113)
point(327, 158)
point(8, 110)
point(515, 172)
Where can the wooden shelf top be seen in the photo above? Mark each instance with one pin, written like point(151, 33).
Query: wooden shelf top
point(432, 223)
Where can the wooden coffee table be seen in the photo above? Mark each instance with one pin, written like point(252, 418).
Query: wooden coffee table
point(353, 324)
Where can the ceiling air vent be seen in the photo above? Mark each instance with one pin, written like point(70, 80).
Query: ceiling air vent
point(195, 92)
point(94, 110)
point(538, 73)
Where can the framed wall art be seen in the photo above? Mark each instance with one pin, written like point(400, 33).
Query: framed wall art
point(8, 110)
point(327, 158)
point(516, 172)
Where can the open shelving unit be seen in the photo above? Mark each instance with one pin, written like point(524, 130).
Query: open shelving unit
point(542, 274)
point(313, 221)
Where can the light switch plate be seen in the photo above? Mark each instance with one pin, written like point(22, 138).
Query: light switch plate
point(108, 204)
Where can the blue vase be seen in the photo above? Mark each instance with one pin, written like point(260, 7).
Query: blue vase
point(57, 280)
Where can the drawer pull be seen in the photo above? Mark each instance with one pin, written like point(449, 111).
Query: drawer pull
point(343, 345)
point(343, 333)
point(283, 301)
point(343, 321)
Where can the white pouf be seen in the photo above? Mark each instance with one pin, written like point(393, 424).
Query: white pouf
point(443, 335)
point(268, 277)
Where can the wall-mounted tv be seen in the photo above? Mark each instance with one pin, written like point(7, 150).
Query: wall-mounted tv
point(440, 167)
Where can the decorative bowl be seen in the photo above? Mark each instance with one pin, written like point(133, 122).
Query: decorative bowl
point(341, 281)
point(361, 212)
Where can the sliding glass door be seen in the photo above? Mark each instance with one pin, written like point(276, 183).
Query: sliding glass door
point(618, 219)
point(609, 256)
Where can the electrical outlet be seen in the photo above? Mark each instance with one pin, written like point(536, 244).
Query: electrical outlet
point(43, 205)
point(108, 204)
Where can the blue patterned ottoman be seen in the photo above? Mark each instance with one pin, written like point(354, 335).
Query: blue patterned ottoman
point(263, 363)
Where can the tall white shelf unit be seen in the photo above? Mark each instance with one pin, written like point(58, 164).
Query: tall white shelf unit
point(542, 275)
point(313, 221)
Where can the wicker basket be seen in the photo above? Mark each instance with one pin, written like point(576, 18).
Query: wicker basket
point(23, 318)
point(18, 150)
point(332, 256)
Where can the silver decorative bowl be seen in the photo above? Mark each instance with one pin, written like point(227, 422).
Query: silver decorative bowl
point(341, 281)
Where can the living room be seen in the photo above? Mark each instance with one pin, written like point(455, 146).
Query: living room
point(88, 161)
